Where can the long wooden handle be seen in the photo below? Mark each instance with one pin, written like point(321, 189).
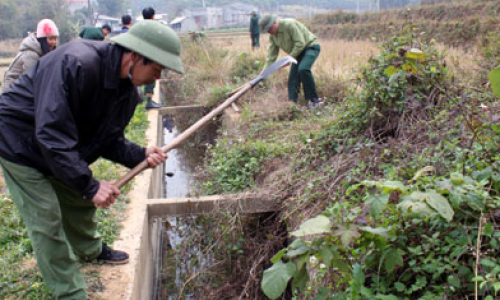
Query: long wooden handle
point(183, 136)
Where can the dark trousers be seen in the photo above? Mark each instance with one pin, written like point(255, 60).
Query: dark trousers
point(150, 88)
point(255, 40)
point(301, 74)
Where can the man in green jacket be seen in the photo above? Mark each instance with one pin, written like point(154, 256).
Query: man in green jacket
point(254, 30)
point(295, 39)
point(95, 33)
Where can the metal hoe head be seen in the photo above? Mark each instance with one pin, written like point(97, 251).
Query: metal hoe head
point(285, 61)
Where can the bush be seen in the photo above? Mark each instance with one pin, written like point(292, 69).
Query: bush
point(233, 167)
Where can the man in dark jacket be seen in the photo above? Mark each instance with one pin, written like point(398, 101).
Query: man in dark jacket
point(65, 112)
point(254, 30)
point(95, 33)
point(126, 23)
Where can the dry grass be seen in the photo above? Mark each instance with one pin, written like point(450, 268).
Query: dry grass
point(9, 48)
point(462, 63)
point(338, 58)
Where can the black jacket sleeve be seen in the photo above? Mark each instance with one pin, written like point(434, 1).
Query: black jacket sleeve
point(57, 95)
point(125, 152)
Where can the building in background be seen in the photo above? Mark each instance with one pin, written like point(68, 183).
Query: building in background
point(115, 23)
point(232, 15)
point(183, 24)
point(237, 14)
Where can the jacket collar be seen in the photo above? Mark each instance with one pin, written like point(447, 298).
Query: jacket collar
point(112, 66)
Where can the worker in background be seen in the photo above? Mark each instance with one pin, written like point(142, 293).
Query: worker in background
point(126, 23)
point(32, 48)
point(149, 14)
point(60, 117)
point(295, 39)
point(95, 33)
point(254, 30)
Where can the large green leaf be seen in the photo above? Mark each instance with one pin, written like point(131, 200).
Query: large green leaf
point(382, 231)
point(377, 204)
point(347, 234)
point(389, 186)
point(416, 54)
point(322, 294)
point(386, 297)
point(436, 201)
point(393, 258)
point(318, 225)
point(300, 280)
point(390, 70)
point(415, 208)
point(276, 279)
point(422, 172)
point(495, 81)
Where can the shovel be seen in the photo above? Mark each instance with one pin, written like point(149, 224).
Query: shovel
point(285, 61)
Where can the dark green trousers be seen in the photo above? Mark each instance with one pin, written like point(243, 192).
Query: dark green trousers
point(300, 74)
point(149, 88)
point(255, 40)
point(60, 224)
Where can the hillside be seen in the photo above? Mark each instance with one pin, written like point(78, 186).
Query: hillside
point(459, 23)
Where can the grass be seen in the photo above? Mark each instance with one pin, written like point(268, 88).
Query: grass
point(304, 180)
point(9, 48)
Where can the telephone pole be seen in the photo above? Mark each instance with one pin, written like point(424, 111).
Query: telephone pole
point(90, 13)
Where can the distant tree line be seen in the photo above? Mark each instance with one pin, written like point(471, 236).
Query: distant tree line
point(18, 17)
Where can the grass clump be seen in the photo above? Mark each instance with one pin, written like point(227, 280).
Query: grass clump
point(233, 166)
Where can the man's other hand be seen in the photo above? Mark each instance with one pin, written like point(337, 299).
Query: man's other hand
point(155, 156)
point(106, 194)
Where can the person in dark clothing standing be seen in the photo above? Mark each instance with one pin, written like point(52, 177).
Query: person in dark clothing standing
point(126, 23)
point(149, 14)
point(254, 30)
point(95, 33)
point(64, 113)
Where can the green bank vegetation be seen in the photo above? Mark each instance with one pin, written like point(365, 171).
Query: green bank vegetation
point(391, 191)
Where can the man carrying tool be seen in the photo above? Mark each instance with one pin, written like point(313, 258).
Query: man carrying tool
point(64, 113)
point(295, 39)
point(254, 30)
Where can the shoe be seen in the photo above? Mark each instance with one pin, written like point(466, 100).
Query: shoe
point(111, 256)
point(152, 105)
point(314, 105)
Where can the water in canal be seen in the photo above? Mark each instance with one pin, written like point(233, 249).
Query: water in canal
point(184, 237)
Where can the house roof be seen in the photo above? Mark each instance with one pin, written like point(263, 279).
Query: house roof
point(177, 20)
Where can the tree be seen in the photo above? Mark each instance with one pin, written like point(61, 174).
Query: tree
point(110, 7)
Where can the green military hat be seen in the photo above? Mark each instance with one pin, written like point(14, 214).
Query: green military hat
point(267, 22)
point(154, 41)
point(253, 12)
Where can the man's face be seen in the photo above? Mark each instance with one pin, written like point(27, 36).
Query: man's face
point(52, 41)
point(145, 74)
point(274, 28)
point(105, 32)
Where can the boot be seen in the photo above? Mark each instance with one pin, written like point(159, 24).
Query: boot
point(150, 104)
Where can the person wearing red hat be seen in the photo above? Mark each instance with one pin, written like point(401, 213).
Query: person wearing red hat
point(32, 48)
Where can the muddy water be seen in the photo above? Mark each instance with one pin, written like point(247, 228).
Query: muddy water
point(183, 162)
point(183, 261)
